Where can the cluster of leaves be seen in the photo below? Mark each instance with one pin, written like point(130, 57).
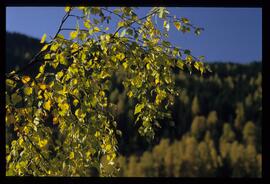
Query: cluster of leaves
point(63, 117)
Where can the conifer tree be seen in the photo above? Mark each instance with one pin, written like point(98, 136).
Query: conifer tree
point(195, 107)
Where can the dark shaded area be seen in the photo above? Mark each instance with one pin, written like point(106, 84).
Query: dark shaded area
point(20, 49)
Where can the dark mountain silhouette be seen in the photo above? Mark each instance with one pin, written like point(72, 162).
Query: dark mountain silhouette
point(20, 49)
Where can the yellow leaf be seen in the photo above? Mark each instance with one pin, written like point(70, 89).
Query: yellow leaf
point(47, 105)
point(28, 91)
point(125, 65)
point(47, 56)
point(42, 86)
point(102, 93)
point(73, 34)
point(148, 66)
point(59, 75)
point(41, 69)
point(120, 56)
point(44, 47)
point(185, 20)
point(55, 120)
point(160, 96)
point(54, 47)
point(75, 102)
point(108, 147)
point(26, 79)
point(130, 94)
point(121, 24)
point(15, 98)
point(74, 82)
point(43, 38)
point(138, 108)
point(64, 106)
point(157, 80)
point(71, 155)
point(63, 59)
point(78, 112)
point(67, 9)
point(8, 158)
point(88, 153)
point(20, 141)
point(26, 130)
point(189, 58)
point(42, 143)
point(104, 74)
point(107, 37)
point(87, 24)
point(180, 64)
point(97, 134)
point(177, 25)
point(10, 83)
point(96, 29)
point(60, 36)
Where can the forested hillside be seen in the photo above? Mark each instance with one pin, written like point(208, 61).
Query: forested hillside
point(214, 130)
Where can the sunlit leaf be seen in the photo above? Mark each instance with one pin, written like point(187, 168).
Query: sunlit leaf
point(26, 79)
point(138, 108)
point(28, 91)
point(43, 38)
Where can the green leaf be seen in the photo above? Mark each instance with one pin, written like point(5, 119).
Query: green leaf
point(129, 32)
point(186, 51)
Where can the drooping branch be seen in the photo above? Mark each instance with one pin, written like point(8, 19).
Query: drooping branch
point(36, 59)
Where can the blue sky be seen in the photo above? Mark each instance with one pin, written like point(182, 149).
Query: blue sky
point(231, 34)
